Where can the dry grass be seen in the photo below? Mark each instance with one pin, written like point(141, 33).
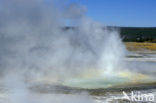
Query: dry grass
point(140, 46)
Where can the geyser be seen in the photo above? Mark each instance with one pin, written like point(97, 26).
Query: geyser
point(34, 43)
point(37, 49)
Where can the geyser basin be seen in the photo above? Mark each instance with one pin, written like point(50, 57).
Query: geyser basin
point(107, 81)
point(139, 73)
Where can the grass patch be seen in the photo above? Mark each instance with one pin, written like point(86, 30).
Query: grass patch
point(140, 46)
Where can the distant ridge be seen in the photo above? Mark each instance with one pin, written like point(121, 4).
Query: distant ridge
point(138, 34)
point(133, 34)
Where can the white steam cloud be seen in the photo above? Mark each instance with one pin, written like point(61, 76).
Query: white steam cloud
point(34, 44)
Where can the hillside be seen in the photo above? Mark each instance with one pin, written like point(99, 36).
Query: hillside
point(137, 34)
point(133, 34)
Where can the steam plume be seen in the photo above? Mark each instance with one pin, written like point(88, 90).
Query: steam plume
point(34, 44)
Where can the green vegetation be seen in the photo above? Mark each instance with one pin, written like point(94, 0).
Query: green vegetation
point(135, 34)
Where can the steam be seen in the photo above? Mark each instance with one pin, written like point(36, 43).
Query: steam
point(35, 46)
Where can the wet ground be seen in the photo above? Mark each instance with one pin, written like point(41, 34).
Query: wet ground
point(141, 62)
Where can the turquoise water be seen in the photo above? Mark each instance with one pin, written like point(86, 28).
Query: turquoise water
point(142, 70)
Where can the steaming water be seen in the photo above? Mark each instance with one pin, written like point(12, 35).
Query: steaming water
point(49, 96)
point(141, 69)
point(41, 61)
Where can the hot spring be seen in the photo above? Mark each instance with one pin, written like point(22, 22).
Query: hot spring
point(44, 61)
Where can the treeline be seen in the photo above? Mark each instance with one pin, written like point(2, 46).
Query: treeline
point(135, 34)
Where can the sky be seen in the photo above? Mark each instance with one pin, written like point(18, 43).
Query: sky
point(134, 13)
